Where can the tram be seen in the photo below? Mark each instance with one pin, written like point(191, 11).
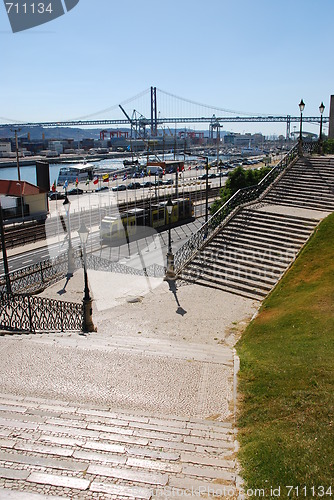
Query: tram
point(130, 225)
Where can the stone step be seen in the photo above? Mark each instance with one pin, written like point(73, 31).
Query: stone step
point(276, 223)
point(306, 194)
point(46, 451)
point(249, 254)
point(278, 199)
point(268, 231)
point(243, 291)
point(312, 188)
point(315, 172)
point(294, 219)
point(265, 240)
point(315, 169)
point(241, 274)
point(237, 241)
point(226, 259)
point(239, 280)
point(244, 275)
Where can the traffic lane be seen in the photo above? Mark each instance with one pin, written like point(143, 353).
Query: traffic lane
point(35, 256)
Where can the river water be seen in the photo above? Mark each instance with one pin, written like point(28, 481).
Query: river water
point(28, 173)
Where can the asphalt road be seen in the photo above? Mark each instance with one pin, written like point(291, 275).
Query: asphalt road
point(155, 243)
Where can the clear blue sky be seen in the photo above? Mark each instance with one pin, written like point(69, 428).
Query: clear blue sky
point(259, 56)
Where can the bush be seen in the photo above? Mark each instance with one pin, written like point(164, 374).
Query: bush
point(237, 179)
point(328, 146)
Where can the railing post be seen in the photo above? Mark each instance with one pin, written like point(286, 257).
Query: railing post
point(41, 267)
point(31, 326)
point(61, 317)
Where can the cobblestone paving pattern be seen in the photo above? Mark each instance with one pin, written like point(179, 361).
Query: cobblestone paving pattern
point(79, 451)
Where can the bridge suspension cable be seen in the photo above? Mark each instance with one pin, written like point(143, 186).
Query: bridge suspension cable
point(208, 106)
point(115, 106)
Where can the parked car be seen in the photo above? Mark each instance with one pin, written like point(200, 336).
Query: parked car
point(168, 182)
point(202, 177)
point(121, 187)
point(75, 191)
point(56, 195)
point(212, 176)
point(102, 188)
point(134, 185)
point(147, 184)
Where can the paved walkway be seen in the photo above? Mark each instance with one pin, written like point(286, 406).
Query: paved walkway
point(144, 408)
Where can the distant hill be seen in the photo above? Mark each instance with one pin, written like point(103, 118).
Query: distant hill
point(72, 132)
point(52, 133)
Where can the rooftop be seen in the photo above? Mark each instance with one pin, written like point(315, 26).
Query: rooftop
point(18, 188)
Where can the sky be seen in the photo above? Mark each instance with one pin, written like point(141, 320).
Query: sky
point(249, 56)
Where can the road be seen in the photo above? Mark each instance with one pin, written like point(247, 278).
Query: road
point(154, 243)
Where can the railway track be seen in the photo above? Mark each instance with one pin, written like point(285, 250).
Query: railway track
point(34, 231)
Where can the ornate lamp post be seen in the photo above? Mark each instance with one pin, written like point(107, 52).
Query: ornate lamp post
point(4, 254)
point(71, 263)
point(21, 196)
point(206, 158)
point(300, 145)
point(170, 273)
point(88, 325)
point(321, 109)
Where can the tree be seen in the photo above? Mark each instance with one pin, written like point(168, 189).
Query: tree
point(237, 179)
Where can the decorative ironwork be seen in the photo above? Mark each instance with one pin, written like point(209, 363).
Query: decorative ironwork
point(241, 198)
point(38, 276)
point(26, 313)
point(100, 264)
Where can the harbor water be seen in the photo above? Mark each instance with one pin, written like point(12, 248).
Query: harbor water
point(28, 172)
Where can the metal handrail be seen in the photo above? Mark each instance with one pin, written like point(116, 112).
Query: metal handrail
point(243, 196)
point(27, 313)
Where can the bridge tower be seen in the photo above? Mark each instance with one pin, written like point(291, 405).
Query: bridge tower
point(154, 124)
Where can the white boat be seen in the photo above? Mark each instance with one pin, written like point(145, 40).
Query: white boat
point(81, 172)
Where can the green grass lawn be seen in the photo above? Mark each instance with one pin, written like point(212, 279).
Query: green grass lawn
point(286, 380)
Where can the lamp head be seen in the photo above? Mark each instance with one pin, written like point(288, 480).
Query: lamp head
point(169, 206)
point(301, 105)
point(322, 108)
point(83, 233)
point(66, 204)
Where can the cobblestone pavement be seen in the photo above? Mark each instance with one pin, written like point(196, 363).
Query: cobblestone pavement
point(58, 449)
point(144, 408)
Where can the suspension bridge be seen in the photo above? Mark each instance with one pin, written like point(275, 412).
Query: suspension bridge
point(154, 108)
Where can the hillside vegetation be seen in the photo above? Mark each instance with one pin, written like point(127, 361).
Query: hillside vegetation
point(286, 384)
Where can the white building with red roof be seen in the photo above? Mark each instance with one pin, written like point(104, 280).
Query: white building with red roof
point(18, 195)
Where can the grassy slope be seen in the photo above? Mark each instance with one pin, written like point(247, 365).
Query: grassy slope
point(286, 380)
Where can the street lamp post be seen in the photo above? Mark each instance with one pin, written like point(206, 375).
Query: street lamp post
point(21, 195)
point(4, 254)
point(300, 144)
point(206, 188)
point(17, 153)
point(71, 263)
point(321, 109)
point(170, 273)
point(88, 325)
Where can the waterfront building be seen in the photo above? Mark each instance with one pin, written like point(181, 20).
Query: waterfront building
point(22, 200)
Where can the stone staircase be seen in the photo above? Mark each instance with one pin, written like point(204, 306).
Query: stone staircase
point(251, 253)
point(257, 245)
point(309, 183)
point(58, 449)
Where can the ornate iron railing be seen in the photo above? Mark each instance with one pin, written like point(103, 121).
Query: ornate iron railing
point(36, 277)
point(27, 313)
point(242, 197)
point(100, 264)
